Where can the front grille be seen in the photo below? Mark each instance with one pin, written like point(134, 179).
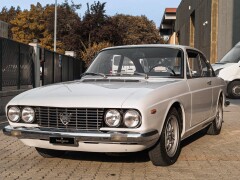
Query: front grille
point(78, 118)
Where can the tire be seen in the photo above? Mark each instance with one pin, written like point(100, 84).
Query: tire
point(216, 126)
point(233, 90)
point(165, 153)
point(49, 153)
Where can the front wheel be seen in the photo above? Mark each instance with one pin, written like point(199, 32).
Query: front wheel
point(49, 153)
point(234, 90)
point(167, 149)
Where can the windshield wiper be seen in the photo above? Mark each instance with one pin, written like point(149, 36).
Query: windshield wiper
point(93, 74)
point(141, 74)
point(125, 74)
point(135, 73)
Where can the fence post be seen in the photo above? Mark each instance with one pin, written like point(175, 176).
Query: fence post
point(73, 55)
point(36, 62)
point(19, 68)
point(53, 67)
point(1, 58)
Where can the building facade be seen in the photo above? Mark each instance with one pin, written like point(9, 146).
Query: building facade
point(3, 29)
point(209, 25)
point(167, 26)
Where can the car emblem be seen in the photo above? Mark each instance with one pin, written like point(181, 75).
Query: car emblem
point(65, 117)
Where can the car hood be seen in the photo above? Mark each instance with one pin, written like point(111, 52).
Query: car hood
point(88, 94)
point(218, 66)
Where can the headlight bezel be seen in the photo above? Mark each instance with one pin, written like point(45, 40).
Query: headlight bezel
point(27, 108)
point(21, 118)
point(119, 121)
point(19, 114)
point(126, 118)
point(122, 124)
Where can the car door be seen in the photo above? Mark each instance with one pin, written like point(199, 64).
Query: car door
point(200, 85)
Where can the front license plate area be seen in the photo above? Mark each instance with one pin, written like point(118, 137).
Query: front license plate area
point(66, 141)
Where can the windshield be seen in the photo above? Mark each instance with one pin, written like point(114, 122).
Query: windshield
point(233, 56)
point(150, 61)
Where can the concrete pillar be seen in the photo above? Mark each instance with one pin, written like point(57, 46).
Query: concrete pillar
point(172, 39)
point(36, 61)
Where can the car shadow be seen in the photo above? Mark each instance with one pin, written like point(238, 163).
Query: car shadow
point(108, 157)
point(193, 138)
point(124, 157)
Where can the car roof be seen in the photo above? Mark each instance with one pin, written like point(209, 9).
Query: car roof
point(152, 45)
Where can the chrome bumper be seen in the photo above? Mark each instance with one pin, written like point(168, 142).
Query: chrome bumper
point(83, 136)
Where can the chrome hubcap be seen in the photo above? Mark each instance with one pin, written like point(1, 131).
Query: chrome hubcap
point(171, 136)
point(219, 117)
point(236, 90)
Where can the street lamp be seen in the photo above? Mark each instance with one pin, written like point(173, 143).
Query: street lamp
point(55, 27)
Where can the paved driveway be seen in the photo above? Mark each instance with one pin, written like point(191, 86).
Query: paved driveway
point(202, 157)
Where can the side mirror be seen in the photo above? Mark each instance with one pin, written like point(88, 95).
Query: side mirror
point(227, 103)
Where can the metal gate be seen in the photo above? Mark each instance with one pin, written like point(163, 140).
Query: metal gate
point(59, 68)
point(16, 64)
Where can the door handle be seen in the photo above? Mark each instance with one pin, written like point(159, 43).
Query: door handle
point(209, 83)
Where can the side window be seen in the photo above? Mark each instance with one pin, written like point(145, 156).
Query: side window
point(197, 66)
point(206, 68)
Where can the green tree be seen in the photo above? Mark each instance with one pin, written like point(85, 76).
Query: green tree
point(38, 23)
point(7, 15)
point(88, 54)
point(76, 34)
point(135, 30)
point(96, 26)
point(29, 25)
point(68, 25)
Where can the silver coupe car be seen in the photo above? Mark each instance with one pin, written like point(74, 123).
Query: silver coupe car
point(131, 98)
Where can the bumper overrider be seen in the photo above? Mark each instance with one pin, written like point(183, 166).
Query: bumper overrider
point(55, 136)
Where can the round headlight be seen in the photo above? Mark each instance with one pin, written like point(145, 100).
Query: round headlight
point(113, 118)
point(132, 119)
point(13, 114)
point(28, 115)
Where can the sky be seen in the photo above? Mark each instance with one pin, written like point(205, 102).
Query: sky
point(153, 9)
